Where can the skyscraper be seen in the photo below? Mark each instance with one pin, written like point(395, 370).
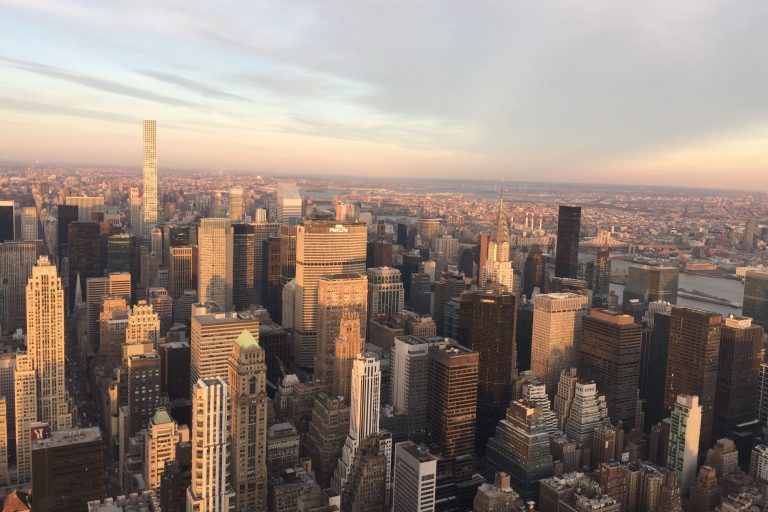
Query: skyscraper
point(143, 389)
point(215, 250)
point(556, 327)
point(134, 202)
point(181, 270)
point(160, 439)
point(692, 361)
point(684, 439)
point(45, 343)
point(65, 215)
point(367, 486)
point(338, 297)
point(452, 404)
point(650, 283)
point(498, 267)
point(120, 251)
point(450, 285)
point(7, 221)
point(248, 400)
point(86, 206)
point(587, 411)
point(610, 356)
point(262, 231)
point(328, 431)
point(236, 208)
point(487, 323)
point(84, 256)
point(756, 296)
point(534, 274)
point(323, 248)
point(243, 266)
point(210, 490)
point(288, 204)
point(415, 478)
point(16, 262)
point(25, 405)
point(738, 374)
point(599, 277)
point(347, 346)
point(150, 177)
point(386, 295)
point(29, 223)
point(567, 252)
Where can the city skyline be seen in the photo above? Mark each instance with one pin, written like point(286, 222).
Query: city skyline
point(613, 96)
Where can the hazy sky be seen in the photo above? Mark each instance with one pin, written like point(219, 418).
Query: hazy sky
point(647, 91)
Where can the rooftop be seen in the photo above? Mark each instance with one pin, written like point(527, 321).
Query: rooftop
point(68, 437)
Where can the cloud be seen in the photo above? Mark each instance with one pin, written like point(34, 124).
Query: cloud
point(31, 107)
point(192, 85)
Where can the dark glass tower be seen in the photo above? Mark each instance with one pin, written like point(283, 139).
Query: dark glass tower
point(243, 269)
point(6, 223)
point(84, 256)
point(67, 214)
point(534, 274)
point(599, 277)
point(567, 255)
point(120, 253)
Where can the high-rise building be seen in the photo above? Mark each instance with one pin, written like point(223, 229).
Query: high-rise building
point(446, 251)
point(683, 451)
point(386, 294)
point(134, 202)
point(347, 346)
point(7, 221)
point(150, 203)
point(669, 493)
point(161, 436)
point(567, 251)
point(143, 325)
point(162, 303)
point(692, 362)
point(211, 489)
point(367, 485)
point(182, 264)
point(25, 410)
point(749, 235)
point(415, 478)
point(487, 326)
point(236, 208)
point(248, 401)
point(289, 209)
point(364, 405)
point(65, 215)
point(756, 296)
point(143, 389)
point(339, 297)
point(653, 368)
point(84, 256)
point(211, 343)
point(45, 343)
point(534, 272)
point(120, 252)
point(262, 231)
point(587, 412)
point(610, 356)
point(67, 469)
point(758, 464)
point(29, 224)
point(520, 448)
point(5, 421)
point(723, 457)
point(282, 448)
point(16, 262)
point(328, 430)
point(599, 277)
point(452, 404)
point(323, 248)
point(428, 230)
point(650, 283)
point(556, 327)
point(86, 206)
point(243, 266)
point(271, 272)
point(738, 374)
point(450, 285)
point(566, 391)
point(498, 267)
point(214, 269)
point(97, 288)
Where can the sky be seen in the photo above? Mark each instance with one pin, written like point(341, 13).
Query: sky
point(614, 91)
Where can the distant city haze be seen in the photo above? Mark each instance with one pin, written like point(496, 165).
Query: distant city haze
point(653, 93)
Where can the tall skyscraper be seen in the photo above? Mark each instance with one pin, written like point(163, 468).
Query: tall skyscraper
point(84, 256)
point(181, 270)
point(599, 277)
point(7, 221)
point(347, 346)
point(236, 208)
point(86, 206)
point(65, 215)
point(323, 248)
point(587, 411)
point(211, 489)
point(248, 400)
point(97, 288)
point(367, 485)
point(556, 327)
point(16, 262)
point(288, 204)
point(25, 405)
point(215, 273)
point(692, 361)
point(338, 297)
point(45, 343)
point(120, 252)
point(534, 273)
point(684, 439)
point(262, 231)
point(567, 251)
point(150, 177)
point(386, 295)
point(143, 389)
point(161, 436)
point(756, 296)
point(328, 431)
point(498, 267)
point(450, 285)
point(452, 404)
point(134, 202)
point(650, 283)
point(243, 266)
point(610, 356)
point(415, 478)
point(487, 325)
point(29, 223)
point(211, 343)
point(738, 374)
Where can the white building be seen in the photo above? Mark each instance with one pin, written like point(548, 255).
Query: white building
point(150, 177)
point(288, 203)
point(386, 295)
point(215, 250)
point(685, 428)
point(415, 478)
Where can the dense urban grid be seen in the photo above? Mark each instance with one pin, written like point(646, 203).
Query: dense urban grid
point(209, 342)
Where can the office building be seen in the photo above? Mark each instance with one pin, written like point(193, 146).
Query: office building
point(610, 356)
point(653, 361)
point(650, 283)
point(587, 412)
point(67, 469)
point(534, 272)
point(339, 297)
point(248, 400)
point(7, 221)
point(211, 343)
point(556, 328)
point(271, 273)
point(366, 488)
point(289, 208)
point(84, 257)
point(16, 262)
point(134, 205)
point(214, 269)
point(236, 206)
point(599, 277)
point(323, 249)
point(415, 478)
point(143, 389)
point(150, 203)
point(161, 436)
point(143, 325)
point(86, 206)
point(182, 275)
point(738, 374)
point(521, 448)
point(347, 346)
point(386, 295)
point(97, 288)
point(25, 412)
point(685, 427)
point(756, 296)
point(120, 252)
point(45, 343)
point(450, 285)
point(29, 224)
point(262, 231)
point(326, 435)
point(566, 391)
point(487, 325)
point(567, 250)
point(283, 448)
point(452, 404)
point(211, 490)
point(244, 269)
point(498, 267)
point(446, 251)
point(692, 362)
point(428, 230)
point(65, 215)
point(174, 369)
